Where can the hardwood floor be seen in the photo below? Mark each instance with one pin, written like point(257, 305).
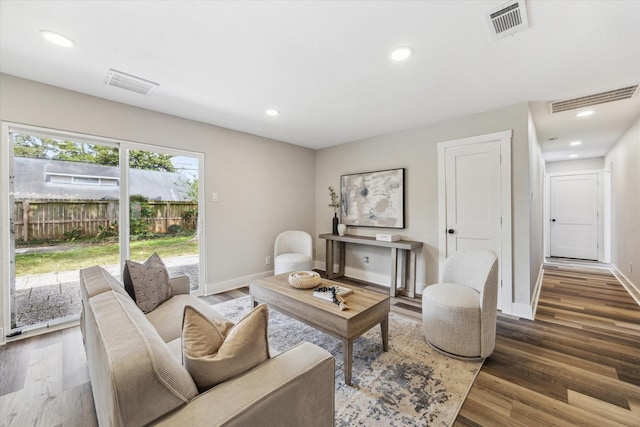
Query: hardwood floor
point(44, 381)
point(578, 363)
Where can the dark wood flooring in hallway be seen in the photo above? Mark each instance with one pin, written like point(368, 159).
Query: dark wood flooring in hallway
point(578, 363)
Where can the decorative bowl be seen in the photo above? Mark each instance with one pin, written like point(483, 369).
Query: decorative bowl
point(304, 279)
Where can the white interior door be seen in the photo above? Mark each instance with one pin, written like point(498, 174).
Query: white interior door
point(574, 216)
point(474, 198)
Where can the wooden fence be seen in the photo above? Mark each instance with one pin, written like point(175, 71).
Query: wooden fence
point(51, 219)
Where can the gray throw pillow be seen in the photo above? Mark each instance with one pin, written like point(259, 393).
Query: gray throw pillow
point(154, 260)
point(150, 282)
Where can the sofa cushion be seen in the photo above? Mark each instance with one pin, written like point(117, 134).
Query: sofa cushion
point(97, 280)
point(175, 347)
point(215, 350)
point(138, 377)
point(150, 282)
point(167, 317)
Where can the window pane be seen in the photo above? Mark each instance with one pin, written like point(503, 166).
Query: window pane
point(163, 211)
point(62, 222)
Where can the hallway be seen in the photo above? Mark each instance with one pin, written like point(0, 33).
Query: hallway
point(578, 363)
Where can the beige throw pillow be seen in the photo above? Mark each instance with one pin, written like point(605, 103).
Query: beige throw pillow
point(214, 351)
point(150, 282)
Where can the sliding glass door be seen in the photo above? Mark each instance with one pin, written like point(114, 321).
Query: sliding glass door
point(64, 208)
point(67, 197)
point(163, 211)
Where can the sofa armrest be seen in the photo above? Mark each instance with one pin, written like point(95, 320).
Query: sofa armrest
point(294, 388)
point(180, 285)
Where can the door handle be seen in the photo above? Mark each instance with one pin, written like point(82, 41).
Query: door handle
point(450, 231)
point(553, 220)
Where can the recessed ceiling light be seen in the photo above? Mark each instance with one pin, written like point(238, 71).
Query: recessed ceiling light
point(272, 112)
point(575, 143)
point(573, 156)
point(401, 54)
point(584, 113)
point(57, 39)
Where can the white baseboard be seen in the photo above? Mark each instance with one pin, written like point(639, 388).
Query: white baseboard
point(528, 311)
point(626, 283)
point(364, 275)
point(367, 276)
point(359, 274)
point(238, 282)
point(521, 310)
point(536, 292)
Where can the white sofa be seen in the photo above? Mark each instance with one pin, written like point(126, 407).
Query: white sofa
point(137, 376)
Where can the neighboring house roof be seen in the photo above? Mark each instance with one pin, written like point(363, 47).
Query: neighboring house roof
point(55, 179)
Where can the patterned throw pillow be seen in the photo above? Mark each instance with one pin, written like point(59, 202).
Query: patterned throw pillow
point(150, 282)
point(154, 260)
point(214, 351)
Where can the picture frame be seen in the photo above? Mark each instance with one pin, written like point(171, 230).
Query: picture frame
point(373, 199)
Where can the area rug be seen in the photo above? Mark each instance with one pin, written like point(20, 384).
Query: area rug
point(411, 384)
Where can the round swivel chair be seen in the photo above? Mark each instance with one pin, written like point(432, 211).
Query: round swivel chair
point(459, 314)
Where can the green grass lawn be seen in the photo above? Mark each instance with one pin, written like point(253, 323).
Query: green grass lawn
point(85, 255)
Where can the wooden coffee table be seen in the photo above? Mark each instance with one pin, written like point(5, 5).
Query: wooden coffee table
point(366, 310)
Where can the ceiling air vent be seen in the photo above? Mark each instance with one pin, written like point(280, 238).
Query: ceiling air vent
point(595, 99)
point(507, 19)
point(129, 82)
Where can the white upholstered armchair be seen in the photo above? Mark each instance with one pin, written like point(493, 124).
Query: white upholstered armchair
point(459, 313)
point(292, 251)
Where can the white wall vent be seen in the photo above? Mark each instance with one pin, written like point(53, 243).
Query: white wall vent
point(594, 99)
point(508, 18)
point(129, 82)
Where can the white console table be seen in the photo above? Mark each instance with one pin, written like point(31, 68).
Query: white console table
point(407, 246)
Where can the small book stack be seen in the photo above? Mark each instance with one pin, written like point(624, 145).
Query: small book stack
point(328, 295)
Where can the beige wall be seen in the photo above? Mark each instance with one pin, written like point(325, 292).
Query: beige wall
point(265, 186)
point(536, 206)
point(416, 150)
point(596, 163)
point(623, 160)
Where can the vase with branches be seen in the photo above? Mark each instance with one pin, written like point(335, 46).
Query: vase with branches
point(335, 204)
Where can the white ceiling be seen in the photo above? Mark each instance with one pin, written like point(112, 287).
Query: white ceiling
point(326, 67)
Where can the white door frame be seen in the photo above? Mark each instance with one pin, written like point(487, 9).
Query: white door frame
point(547, 208)
point(506, 258)
point(606, 213)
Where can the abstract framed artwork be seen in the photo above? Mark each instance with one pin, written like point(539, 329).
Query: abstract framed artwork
point(373, 199)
